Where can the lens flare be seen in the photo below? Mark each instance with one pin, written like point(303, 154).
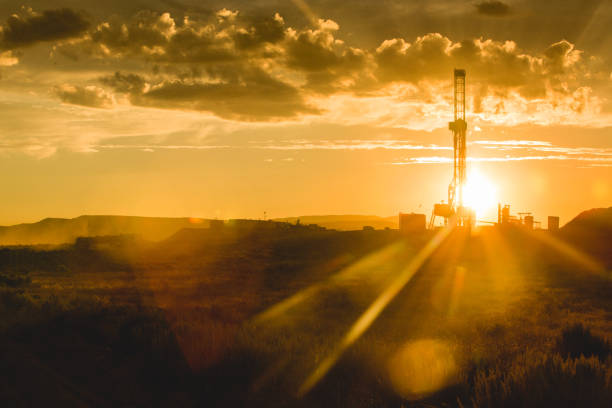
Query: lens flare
point(422, 367)
point(374, 310)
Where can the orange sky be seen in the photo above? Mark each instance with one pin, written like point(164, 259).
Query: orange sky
point(299, 108)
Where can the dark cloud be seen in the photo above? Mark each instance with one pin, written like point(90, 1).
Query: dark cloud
point(29, 28)
point(493, 8)
point(187, 8)
point(223, 42)
point(261, 30)
point(125, 83)
point(157, 36)
point(146, 30)
point(258, 68)
point(313, 50)
point(560, 56)
point(502, 66)
point(325, 60)
point(253, 95)
point(91, 96)
point(192, 45)
point(428, 57)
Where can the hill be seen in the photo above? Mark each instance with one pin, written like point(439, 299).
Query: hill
point(597, 218)
point(66, 230)
point(591, 231)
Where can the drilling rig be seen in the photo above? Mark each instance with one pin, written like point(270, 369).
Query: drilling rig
point(454, 211)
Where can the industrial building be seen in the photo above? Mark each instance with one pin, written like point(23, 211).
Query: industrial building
point(553, 223)
point(410, 223)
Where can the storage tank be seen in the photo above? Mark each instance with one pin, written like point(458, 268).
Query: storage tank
point(529, 222)
point(553, 223)
point(412, 222)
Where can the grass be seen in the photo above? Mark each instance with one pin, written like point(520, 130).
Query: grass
point(578, 341)
point(545, 380)
point(174, 324)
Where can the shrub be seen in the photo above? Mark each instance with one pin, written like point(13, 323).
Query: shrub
point(545, 381)
point(576, 341)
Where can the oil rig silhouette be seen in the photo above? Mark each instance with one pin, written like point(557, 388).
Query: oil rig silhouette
point(454, 212)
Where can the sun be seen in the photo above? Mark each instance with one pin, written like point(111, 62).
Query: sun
point(479, 193)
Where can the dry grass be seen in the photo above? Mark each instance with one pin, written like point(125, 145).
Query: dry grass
point(177, 322)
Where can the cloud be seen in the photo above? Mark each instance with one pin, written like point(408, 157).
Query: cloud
point(28, 28)
point(214, 43)
point(561, 57)
point(328, 63)
point(511, 143)
point(427, 57)
point(157, 37)
point(522, 150)
point(314, 50)
point(558, 76)
point(492, 8)
point(349, 145)
point(250, 94)
point(542, 146)
point(261, 30)
point(433, 56)
point(131, 84)
point(256, 67)
point(8, 59)
point(438, 159)
point(90, 96)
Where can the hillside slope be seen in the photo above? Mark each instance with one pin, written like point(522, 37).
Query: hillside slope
point(62, 230)
point(591, 231)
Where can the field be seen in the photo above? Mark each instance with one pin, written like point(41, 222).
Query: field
point(271, 314)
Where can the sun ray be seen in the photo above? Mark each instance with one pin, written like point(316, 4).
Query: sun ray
point(572, 253)
point(356, 270)
point(368, 317)
point(308, 13)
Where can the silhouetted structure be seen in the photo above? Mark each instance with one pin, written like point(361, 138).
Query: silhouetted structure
point(458, 126)
point(455, 209)
point(553, 223)
point(528, 221)
point(409, 223)
point(525, 219)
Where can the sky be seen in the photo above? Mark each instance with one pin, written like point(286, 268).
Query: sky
point(230, 109)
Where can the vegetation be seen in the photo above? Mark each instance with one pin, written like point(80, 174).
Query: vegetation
point(501, 319)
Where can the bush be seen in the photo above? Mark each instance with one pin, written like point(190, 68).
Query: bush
point(13, 280)
point(578, 341)
point(545, 381)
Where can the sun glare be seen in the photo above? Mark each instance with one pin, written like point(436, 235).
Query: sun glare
point(479, 193)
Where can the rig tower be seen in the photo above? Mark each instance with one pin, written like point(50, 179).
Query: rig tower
point(458, 126)
point(454, 211)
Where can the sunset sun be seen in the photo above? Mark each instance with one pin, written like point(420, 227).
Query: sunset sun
point(480, 193)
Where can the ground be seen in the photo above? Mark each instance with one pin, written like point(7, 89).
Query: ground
point(251, 315)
